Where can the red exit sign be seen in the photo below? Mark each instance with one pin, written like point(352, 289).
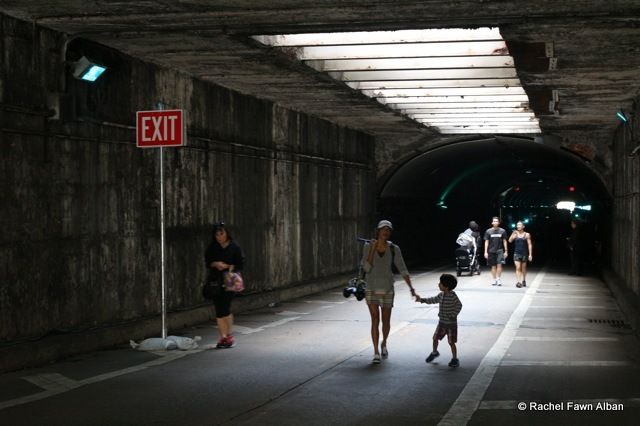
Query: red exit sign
point(156, 129)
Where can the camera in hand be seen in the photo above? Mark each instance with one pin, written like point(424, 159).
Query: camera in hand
point(355, 286)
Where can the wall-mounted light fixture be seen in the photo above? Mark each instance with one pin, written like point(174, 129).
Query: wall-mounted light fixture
point(87, 70)
point(622, 116)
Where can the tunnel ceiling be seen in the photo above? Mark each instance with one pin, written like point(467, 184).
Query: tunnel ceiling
point(590, 71)
point(517, 171)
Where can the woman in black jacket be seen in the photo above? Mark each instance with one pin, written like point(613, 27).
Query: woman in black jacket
point(223, 255)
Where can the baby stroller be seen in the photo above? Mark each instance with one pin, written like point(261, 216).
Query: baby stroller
point(466, 255)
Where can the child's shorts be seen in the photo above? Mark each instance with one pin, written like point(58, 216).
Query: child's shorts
point(383, 299)
point(449, 330)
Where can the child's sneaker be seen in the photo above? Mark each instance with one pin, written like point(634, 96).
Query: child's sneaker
point(221, 342)
point(432, 356)
point(524, 283)
point(454, 363)
point(519, 285)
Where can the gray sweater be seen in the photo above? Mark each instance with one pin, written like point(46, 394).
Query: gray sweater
point(450, 306)
point(379, 276)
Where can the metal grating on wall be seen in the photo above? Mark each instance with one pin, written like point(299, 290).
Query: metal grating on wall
point(457, 80)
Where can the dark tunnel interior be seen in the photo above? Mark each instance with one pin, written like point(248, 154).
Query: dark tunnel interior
point(432, 197)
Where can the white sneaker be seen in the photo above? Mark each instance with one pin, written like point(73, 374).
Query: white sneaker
point(376, 359)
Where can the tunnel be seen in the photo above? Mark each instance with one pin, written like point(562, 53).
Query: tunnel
point(435, 194)
point(130, 132)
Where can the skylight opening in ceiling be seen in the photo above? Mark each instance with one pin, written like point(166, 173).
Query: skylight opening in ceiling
point(455, 80)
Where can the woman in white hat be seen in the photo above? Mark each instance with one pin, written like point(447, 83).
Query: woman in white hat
point(378, 256)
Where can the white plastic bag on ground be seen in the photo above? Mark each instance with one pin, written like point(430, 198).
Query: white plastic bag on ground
point(185, 343)
point(154, 344)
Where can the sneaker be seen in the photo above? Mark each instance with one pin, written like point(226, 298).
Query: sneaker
point(499, 284)
point(228, 343)
point(221, 342)
point(495, 283)
point(385, 353)
point(432, 356)
point(454, 363)
point(519, 285)
point(376, 359)
point(524, 283)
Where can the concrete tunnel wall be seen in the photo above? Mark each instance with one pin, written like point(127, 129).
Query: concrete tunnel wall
point(80, 237)
point(625, 214)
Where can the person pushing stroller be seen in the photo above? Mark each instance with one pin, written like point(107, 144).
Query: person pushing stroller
point(467, 253)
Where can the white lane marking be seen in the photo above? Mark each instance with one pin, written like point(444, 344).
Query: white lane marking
point(248, 330)
point(52, 381)
point(469, 399)
point(595, 296)
point(280, 322)
point(565, 339)
point(245, 330)
point(512, 404)
point(565, 364)
point(288, 313)
point(52, 392)
point(555, 319)
point(612, 308)
point(542, 290)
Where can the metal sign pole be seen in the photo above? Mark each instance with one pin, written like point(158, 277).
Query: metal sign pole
point(162, 242)
point(157, 129)
point(162, 253)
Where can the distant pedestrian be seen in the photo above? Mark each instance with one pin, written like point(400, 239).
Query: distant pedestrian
point(474, 231)
point(223, 255)
point(450, 307)
point(522, 253)
point(495, 249)
point(377, 258)
point(575, 245)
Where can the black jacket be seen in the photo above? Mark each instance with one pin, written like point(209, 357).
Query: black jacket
point(232, 255)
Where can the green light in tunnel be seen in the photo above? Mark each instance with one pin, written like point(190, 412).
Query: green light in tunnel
point(460, 177)
point(622, 116)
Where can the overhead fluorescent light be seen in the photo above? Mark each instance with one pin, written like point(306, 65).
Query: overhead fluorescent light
point(463, 74)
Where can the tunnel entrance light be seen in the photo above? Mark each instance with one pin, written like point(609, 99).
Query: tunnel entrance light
point(566, 205)
point(87, 70)
point(453, 80)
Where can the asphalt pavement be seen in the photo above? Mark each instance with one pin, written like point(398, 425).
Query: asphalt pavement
point(558, 351)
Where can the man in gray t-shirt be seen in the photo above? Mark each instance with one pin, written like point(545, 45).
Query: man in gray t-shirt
point(495, 249)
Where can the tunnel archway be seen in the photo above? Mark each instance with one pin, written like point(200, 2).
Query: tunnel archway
point(432, 197)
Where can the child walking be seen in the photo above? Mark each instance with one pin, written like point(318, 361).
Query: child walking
point(450, 307)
